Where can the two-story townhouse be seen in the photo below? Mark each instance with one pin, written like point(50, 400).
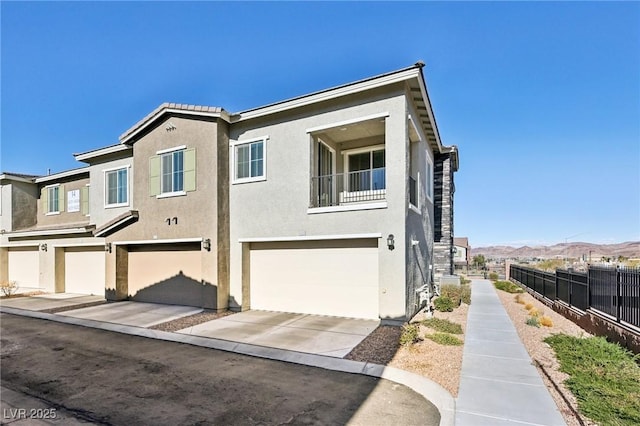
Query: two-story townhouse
point(168, 182)
point(50, 244)
point(335, 203)
point(332, 200)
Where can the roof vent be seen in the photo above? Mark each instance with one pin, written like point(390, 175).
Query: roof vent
point(420, 64)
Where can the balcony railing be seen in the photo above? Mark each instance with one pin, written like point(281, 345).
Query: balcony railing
point(351, 187)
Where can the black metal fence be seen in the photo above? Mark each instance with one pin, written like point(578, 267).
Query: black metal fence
point(614, 291)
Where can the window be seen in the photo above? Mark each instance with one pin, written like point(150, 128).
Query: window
point(52, 198)
point(366, 170)
point(116, 187)
point(250, 160)
point(172, 172)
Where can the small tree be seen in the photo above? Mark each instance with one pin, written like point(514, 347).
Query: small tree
point(479, 261)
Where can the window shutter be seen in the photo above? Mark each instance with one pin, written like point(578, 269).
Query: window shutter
point(61, 198)
point(84, 200)
point(44, 197)
point(154, 176)
point(190, 169)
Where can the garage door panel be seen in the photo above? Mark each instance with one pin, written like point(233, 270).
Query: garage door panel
point(338, 281)
point(165, 275)
point(24, 267)
point(84, 271)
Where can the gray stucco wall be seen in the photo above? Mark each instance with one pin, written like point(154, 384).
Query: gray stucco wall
point(278, 207)
point(24, 205)
point(99, 214)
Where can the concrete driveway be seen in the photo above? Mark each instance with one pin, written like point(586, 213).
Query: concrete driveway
point(138, 314)
point(322, 335)
point(43, 302)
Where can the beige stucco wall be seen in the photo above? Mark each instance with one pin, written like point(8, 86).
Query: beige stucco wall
point(64, 217)
point(278, 206)
point(5, 206)
point(196, 212)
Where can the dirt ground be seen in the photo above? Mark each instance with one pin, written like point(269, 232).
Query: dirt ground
point(111, 378)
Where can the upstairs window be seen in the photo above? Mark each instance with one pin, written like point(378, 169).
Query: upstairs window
point(117, 187)
point(250, 160)
point(52, 198)
point(172, 172)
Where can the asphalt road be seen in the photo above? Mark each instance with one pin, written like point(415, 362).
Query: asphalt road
point(110, 378)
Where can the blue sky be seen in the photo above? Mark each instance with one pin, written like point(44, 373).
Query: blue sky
point(542, 99)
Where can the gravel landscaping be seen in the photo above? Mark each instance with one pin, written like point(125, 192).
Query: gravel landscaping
point(190, 320)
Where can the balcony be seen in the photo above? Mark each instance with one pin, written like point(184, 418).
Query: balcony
point(348, 188)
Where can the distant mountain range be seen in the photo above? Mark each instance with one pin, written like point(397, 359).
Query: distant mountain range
point(630, 249)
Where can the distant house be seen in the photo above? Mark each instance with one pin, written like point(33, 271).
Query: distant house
point(339, 202)
point(462, 254)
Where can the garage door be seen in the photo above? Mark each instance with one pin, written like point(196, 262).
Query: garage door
point(24, 267)
point(166, 273)
point(84, 270)
point(337, 278)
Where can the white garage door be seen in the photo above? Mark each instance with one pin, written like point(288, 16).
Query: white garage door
point(24, 267)
point(167, 273)
point(84, 271)
point(337, 278)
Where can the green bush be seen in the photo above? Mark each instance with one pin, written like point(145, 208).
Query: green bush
point(444, 339)
point(604, 377)
point(464, 280)
point(443, 325)
point(443, 304)
point(453, 292)
point(493, 276)
point(410, 334)
point(507, 286)
point(533, 321)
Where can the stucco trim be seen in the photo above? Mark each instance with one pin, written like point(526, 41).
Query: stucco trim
point(61, 175)
point(21, 244)
point(90, 244)
point(36, 232)
point(83, 156)
point(166, 241)
point(347, 122)
point(347, 208)
point(309, 238)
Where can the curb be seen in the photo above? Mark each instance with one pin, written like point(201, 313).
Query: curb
point(431, 391)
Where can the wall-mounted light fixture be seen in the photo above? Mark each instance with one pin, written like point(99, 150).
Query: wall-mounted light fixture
point(43, 246)
point(206, 244)
point(107, 247)
point(390, 242)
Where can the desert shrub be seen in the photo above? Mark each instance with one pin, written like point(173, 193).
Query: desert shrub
point(443, 304)
point(507, 286)
point(443, 325)
point(409, 335)
point(465, 294)
point(528, 306)
point(465, 280)
point(533, 321)
point(444, 339)
point(534, 312)
point(518, 299)
point(493, 276)
point(546, 321)
point(453, 292)
point(8, 288)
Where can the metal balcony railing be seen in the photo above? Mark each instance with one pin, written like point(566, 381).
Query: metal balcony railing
point(350, 187)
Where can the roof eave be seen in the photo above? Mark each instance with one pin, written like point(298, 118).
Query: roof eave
point(62, 175)
point(112, 149)
point(328, 94)
point(170, 108)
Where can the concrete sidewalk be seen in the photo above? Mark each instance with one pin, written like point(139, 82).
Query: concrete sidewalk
point(499, 385)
